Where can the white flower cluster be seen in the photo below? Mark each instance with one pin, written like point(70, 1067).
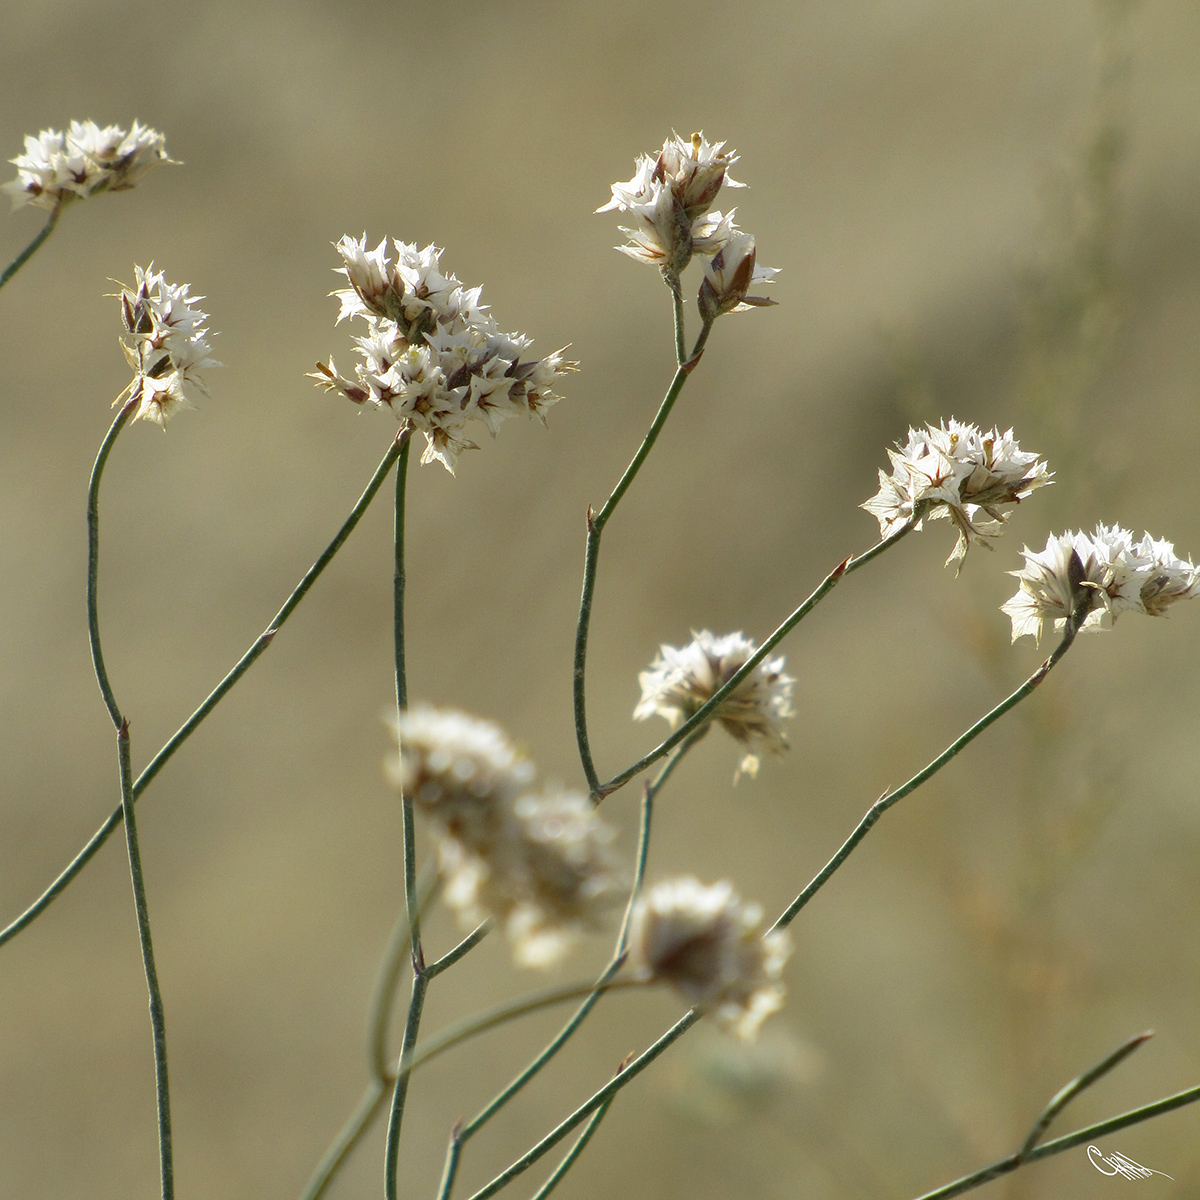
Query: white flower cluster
point(668, 199)
point(538, 861)
point(432, 353)
point(58, 167)
point(681, 679)
point(1091, 579)
point(705, 942)
point(955, 470)
point(166, 344)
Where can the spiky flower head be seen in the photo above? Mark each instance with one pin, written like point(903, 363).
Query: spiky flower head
point(973, 478)
point(682, 679)
point(433, 354)
point(1090, 579)
point(86, 160)
point(706, 943)
point(729, 275)
point(166, 344)
point(1168, 579)
point(538, 861)
point(669, 200)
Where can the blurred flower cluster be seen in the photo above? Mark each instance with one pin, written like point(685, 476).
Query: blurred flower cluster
point(682, 679)
point(669, 200)
point(538, 861)
point(705, 942)
point(1092, 578)
point(166, 343)
point(58, 167)
point(432, 353)
point(957, 471)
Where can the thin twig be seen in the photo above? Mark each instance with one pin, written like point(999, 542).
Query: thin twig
point(218, 693)
point(596, 522)
point(589, 1106)
point(890, 798)
point(463, 1132)
point(30, 250)
point(348, 1137)
point(383, 994)
point(158, 1023)
point(576, 1150)
point(421, 976)
point(672, 281)
point(93, 564)
point(1014, 1161)
point(1068, 1093)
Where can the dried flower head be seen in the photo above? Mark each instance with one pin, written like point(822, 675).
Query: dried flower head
point(705, 942)
point(669, 198)
point(432, 353)
point(539, 862)
point(729, 275)
point(166, 344)
point(959, 472)
point(1090, 579)
point(1167, 579)
point(57, 167)
point(682, 679)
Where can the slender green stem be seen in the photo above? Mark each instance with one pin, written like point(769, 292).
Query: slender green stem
point(398, 579)
point(589, 1106)
point(1067, 1142)
point(383, 995)
point(30, 250)
point(157, 1018)
point(219, 692)
point(421, 975)
point(672, 281)
point(376, 1092)
point(576, 1150)
point(462, 1133)
point(1065, 1095)
point(706, 711)
point(596, 522)
point(348, 1137)
point(890, 798)
point(434, 969)
point(391, 1157)
point(93, 566)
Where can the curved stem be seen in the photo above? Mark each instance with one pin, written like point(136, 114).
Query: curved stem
point(30, 250)
point(596, 522)
point(218, 693)
point(889, 798)
point(157, 1014)
point(348, 1137)
point(93, 566)
point(706, 711)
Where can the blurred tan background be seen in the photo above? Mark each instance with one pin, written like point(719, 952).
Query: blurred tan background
point(983, 209)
